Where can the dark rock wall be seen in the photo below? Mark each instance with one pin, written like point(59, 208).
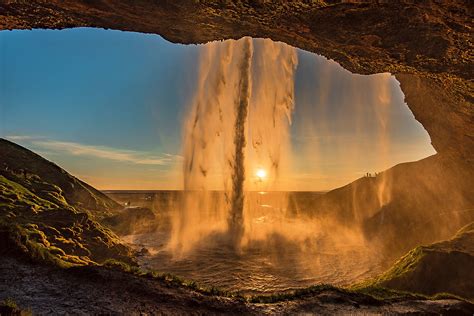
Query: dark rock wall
point(430, 40)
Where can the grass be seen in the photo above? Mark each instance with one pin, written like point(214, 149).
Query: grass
point(123, 266)
point(48, 181)
point(386, 294)
point(402, 267)
point(15, 194)
point(169, 279)
point(382, 293)
point(296, 294)
point(439, 260)
point(52, 232)
point(30, 242)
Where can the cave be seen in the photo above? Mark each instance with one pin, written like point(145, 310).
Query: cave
point(425, 47)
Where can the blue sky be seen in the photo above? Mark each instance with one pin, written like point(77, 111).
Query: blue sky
point(108, 107)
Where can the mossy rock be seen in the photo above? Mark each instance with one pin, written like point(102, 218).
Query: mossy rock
point(37, 221)
point(443, 267)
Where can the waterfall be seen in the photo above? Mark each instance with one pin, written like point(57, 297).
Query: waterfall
point(244, 95)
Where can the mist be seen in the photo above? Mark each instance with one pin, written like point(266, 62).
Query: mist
point(242, 156)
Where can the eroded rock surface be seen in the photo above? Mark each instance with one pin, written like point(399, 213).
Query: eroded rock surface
point(365, 37)
point(429, 40)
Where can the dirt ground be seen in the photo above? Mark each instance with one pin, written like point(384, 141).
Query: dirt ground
point(47, 290)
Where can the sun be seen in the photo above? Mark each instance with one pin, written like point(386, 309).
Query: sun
point(261, 174)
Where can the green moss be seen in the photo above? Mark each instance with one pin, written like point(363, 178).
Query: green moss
point(117, 265)
point(53, 232)
point(10, 307)
point(382, 293)
point(296, 294)
point(32, 243)
point(9, 302)
point(446, 296)
point(56, 251)
point(41, 251)
point(401, 268)
point(19, 195)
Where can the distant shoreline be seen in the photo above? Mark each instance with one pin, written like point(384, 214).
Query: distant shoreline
point(160, 191)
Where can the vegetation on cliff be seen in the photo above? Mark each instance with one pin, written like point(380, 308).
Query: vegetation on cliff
point(44, 217)
point(435, 269)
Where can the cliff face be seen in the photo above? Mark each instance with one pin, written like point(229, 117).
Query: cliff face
point(410, 204)
point(426, 44)
point(443, 105)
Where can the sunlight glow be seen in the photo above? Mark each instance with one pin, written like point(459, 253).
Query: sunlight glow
point(261, 174)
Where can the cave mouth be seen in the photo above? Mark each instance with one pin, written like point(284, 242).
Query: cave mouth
point(132, 91)
point(127, 111)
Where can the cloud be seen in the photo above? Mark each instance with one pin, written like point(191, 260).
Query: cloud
point(103, 152)
point(21, 137)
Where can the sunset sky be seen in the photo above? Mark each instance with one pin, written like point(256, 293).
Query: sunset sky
point(108, 107)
